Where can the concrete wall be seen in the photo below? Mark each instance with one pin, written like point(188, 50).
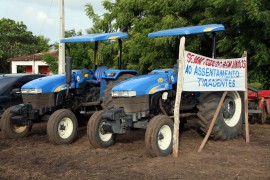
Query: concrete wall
point(34, 64)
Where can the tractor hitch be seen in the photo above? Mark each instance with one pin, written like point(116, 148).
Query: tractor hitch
point(20, 120)
point(21, 109)
point(113, 114)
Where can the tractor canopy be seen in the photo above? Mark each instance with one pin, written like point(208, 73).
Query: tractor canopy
point(95, 37)
point(188, 30)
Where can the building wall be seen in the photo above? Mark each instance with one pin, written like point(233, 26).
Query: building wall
point(35, 65)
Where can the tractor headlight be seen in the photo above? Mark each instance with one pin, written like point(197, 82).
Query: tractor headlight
point(31, 91)
point(123, 93)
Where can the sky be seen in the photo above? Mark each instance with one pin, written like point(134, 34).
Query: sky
point(42, 17)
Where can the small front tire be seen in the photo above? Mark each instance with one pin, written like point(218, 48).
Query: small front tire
point(158, 136)
point(11, 130)
point(96, 137)
point(62, 127)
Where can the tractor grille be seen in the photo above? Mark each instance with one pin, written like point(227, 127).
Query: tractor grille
point(132, 104)
point(39, 100)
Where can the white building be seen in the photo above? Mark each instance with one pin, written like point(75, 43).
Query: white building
point(31, 64)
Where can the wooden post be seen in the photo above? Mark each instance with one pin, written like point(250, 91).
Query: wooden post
point(246, 101)
point(178, 97)
point(213, 121)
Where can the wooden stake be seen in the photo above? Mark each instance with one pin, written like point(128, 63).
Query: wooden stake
point(213, 121)
point(246, 101)
point(178, 97)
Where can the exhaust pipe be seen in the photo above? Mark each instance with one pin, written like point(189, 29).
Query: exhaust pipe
point(68, 69)
point(68, 73)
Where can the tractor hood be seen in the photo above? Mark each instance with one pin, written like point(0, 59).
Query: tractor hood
point(146, 84)
point(46, 84)
point(57, 83)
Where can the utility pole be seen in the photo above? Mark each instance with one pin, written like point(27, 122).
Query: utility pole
point(61, 58)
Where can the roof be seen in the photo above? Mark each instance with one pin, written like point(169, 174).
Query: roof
point(33, 57)
point(95, 37)
point(188, 30)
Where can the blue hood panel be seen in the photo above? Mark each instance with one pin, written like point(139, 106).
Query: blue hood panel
point(58, 83)
point(47, 84)
point(145, 84)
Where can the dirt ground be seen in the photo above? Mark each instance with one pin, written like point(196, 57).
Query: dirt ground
point(35, 158)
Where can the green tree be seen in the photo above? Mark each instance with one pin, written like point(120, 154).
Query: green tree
point(83, 53)
point(246, 23)
point(139, 18)
point(80, 52)
point(16, 41)
point(51, 61)
point(247, 28)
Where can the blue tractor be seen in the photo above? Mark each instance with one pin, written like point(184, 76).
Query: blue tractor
point(64, 100)
point(147, 102)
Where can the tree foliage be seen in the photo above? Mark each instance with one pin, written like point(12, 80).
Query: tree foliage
point(51, 61)
point(16, 41)
point(81, 53)
point(246, 23)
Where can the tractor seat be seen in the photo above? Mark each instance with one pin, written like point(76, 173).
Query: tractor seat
point(97, 75)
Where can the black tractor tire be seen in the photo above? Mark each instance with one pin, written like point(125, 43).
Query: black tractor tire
point(158, 136)
point(62, 127)
point(107, 99)
point(2, 110)
point(229, 121)
point(96, 137)
point(10, 130)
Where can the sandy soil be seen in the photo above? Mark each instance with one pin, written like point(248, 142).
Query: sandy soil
point(35, 158)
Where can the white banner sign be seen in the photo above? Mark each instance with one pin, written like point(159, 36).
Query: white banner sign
point(207, 74)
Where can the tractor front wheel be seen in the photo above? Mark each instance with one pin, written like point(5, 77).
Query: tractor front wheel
point(158, 136)
point(95, 133)
point(11, 130)
point(62, 127)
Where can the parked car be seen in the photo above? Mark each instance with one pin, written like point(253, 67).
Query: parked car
point(10, 88)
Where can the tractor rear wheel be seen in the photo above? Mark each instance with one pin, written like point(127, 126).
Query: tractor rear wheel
point(62, 127)
point(107, 99)
point(96, 135)
point(11, 130)
point(158, 136)
point(230, 118)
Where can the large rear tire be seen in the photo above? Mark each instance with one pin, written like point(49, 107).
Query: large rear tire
point(62, 127)
point(230, 118)
point(158, 136)
point(107, 99)
point(96, 136)
point(11, 130)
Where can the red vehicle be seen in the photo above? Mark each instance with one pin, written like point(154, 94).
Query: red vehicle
point(258, 105)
